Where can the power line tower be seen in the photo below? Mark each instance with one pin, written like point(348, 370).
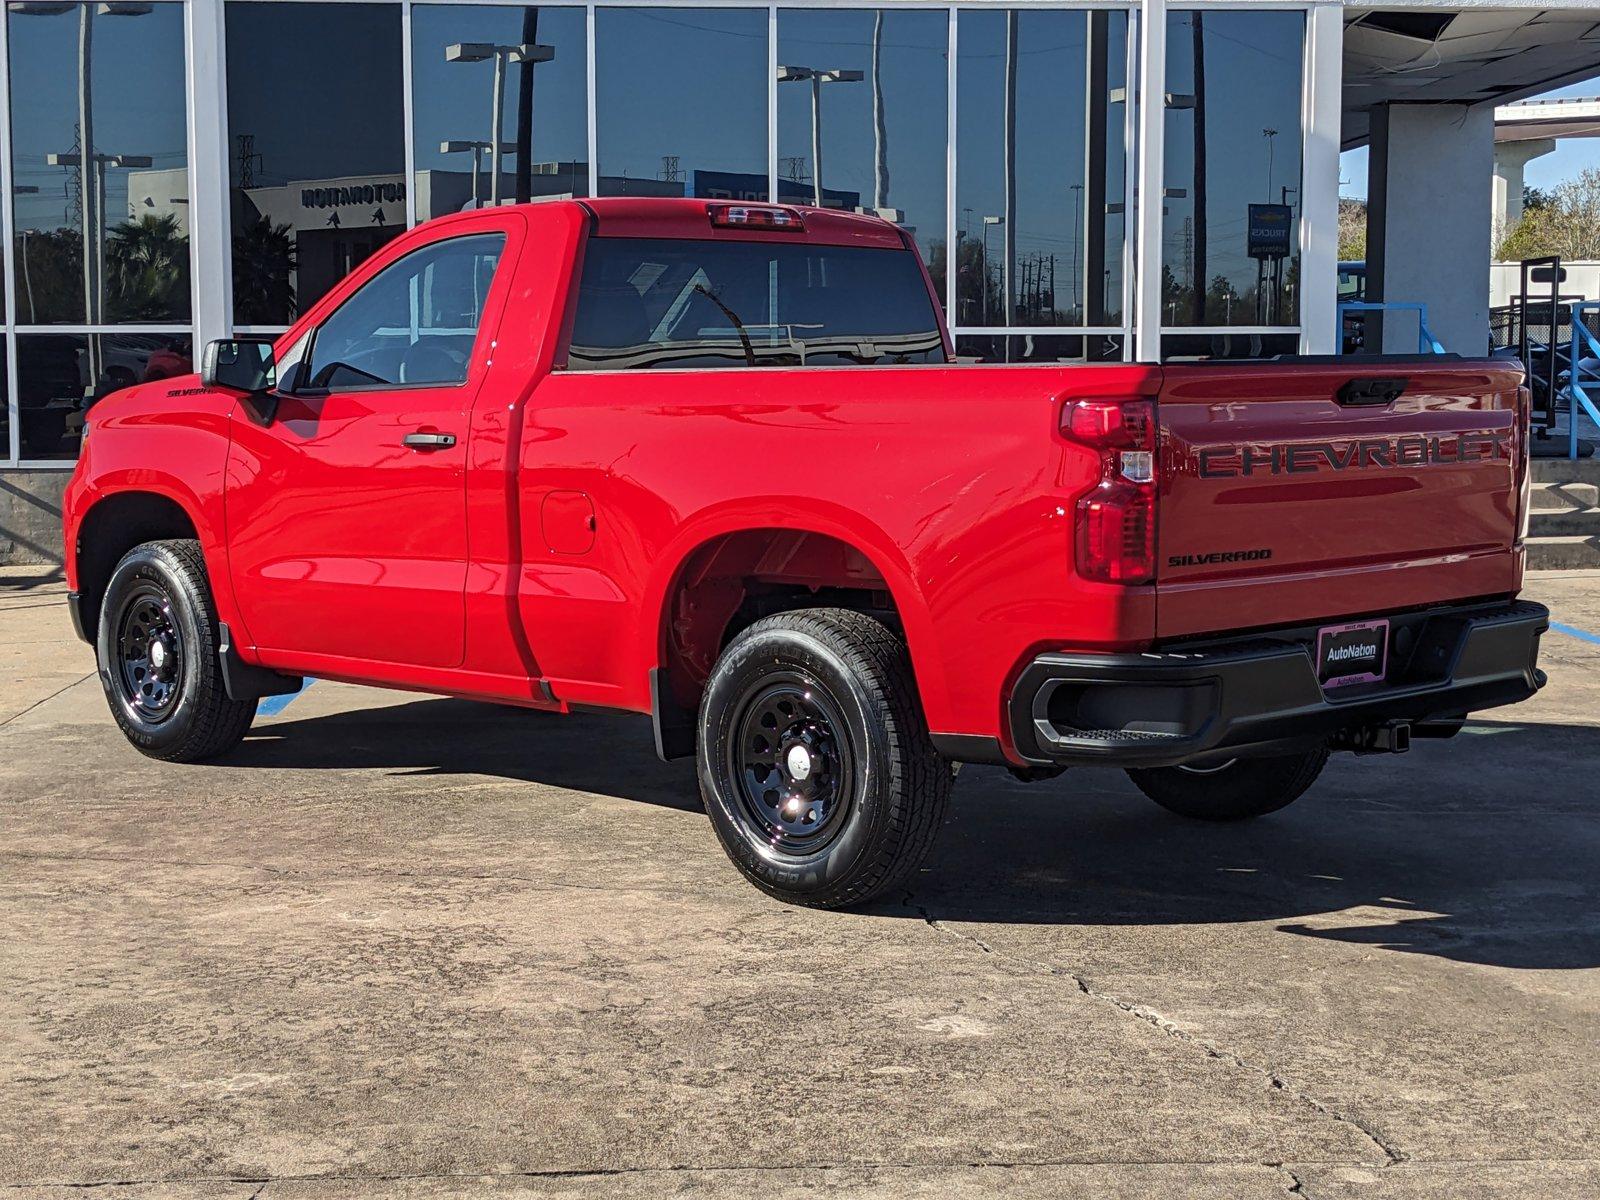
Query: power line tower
point(249, 160)
point(794, 168)
point(1188, 250)
point(75, 182)
point(670, 172)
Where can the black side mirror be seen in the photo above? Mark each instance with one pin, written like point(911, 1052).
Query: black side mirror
point(240, 365)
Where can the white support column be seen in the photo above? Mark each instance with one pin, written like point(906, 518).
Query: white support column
point(1511, 161)
point(1428, 221)
point(11, 448)
point(772, 105)
point(408, 117)
point(1319, 190)
point(1152, 92)
point(210, 224)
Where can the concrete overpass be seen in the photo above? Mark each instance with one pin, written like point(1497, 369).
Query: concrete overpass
point(1529, 130)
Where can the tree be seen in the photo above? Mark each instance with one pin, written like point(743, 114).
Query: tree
point(147, 270)
point(1352, 230)
point(49, 276)
point(263, 263)
point(1567, 224)
point(972, 282)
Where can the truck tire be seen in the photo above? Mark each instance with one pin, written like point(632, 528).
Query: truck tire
point(157, 652)
point(1235, 790)
point(814, 758)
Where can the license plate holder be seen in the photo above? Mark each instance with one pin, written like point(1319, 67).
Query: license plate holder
point(1353, 653)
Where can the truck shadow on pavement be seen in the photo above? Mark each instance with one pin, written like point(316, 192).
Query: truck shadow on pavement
point(1484, 849)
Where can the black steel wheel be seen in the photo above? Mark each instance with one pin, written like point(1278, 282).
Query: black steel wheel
point(149, 652)
point(792, 762)
point(157, 647)
point(814, 758)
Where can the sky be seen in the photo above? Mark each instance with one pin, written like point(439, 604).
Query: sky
point(1570, 156)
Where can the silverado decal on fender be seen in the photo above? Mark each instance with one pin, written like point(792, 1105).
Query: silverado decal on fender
point(1354, 454)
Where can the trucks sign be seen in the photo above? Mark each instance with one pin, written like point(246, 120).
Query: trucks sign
point(1269, 230)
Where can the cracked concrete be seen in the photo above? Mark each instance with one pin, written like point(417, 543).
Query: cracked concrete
point(423, 948)
point(1389, 1155)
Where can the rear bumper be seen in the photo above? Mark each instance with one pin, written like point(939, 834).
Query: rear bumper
point(1256, 693)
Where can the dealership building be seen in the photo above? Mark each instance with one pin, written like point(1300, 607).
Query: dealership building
point(1093, 181)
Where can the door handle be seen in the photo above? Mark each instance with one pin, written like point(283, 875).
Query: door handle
point(429, 441)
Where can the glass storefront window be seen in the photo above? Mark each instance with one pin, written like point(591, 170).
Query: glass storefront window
point(1231, 235)
point(1039, 348)
point(681, 102)
point(111, 76)
point(542, 87)
point(317, 148)
point(1041, 166)
point(1196, 347)
point(55, 374)
point(877, 80)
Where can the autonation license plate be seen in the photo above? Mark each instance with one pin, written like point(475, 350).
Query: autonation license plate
point(1355, 653)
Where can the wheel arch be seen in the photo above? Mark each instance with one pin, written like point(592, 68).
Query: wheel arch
point(733, 568)
point(114, 523)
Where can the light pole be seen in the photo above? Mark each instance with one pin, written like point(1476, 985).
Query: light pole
point(475, 52)
point(1269, 134)
point(1079, 235)
point(816, 77)
point(25, 189)
point(91, 184)
point(476, 149)
point(988, 222)
point(98, 175)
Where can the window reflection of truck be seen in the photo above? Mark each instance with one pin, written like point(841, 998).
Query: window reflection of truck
point(55, 390)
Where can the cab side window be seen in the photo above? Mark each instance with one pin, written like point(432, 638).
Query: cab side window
point(412, 324)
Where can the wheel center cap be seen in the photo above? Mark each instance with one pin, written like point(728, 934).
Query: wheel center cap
point(798, 761)
point(158, 653)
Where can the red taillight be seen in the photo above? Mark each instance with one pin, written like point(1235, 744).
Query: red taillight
point(1116, 521)
point(751, 216)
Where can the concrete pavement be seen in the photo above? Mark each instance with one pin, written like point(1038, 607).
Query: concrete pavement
point(400, 945)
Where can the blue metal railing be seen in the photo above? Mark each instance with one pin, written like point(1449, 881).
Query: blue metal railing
point(1426, 342)
point(1581, 338)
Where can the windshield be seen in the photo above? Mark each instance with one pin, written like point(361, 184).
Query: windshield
point(661, 302)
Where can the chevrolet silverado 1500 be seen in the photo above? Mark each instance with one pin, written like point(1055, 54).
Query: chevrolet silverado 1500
point(717, 463)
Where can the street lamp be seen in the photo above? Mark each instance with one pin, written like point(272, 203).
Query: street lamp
point(816, 77)
point(91, 183)
point(987, 223)
point(476, 149)
point(474, 52)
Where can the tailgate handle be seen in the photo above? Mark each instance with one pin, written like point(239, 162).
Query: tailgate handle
point(1359, 392)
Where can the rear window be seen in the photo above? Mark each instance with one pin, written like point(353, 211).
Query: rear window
point(663, 302)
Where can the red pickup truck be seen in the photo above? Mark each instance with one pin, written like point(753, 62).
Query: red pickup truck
point(717, 463)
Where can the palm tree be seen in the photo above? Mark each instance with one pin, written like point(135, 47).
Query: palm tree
point(147, 270)
point(263, 264)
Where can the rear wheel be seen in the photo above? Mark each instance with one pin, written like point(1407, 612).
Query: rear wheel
point(1233, 790)
point(814, 759)
point(157, 650)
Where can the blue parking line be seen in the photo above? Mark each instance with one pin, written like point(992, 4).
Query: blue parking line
point(1583, 635)
point(271, 706)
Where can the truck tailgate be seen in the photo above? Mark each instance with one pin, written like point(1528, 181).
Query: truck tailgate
point(1296, 491)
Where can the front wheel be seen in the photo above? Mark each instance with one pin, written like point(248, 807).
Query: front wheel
point(157, 650)
point(814, 759)
point(1234, 790)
